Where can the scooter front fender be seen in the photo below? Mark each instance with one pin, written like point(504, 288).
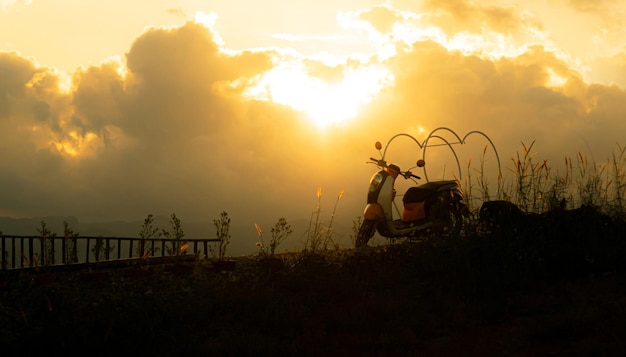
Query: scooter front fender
point(373, 211)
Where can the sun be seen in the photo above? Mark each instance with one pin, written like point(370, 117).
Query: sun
point(325, 103)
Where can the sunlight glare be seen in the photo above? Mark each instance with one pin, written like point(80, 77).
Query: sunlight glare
point(324, 103)
point(75, 144)
point(555, 79)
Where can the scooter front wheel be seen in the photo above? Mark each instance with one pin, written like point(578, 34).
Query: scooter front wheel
point(366, 232)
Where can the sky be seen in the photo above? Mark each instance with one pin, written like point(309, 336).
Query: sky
point(115, 110)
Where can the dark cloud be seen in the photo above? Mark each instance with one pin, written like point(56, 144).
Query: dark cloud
point(168, 133)
point(98, 95)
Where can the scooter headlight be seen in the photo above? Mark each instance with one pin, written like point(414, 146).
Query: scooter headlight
point(375, 182)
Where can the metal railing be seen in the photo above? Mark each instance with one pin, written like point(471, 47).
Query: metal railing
point(35, 251)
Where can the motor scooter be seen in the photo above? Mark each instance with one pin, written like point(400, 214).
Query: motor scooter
point(433, 209)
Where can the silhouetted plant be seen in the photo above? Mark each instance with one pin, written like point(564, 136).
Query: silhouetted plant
point(178, 246)
point(583, 182)
point(100, 249)
point(590, 182)
point(318, 237)
point(147, 232)
point(260, 244)
point(619, 183)
point(474, 196)
point(223, 235)
point(5, 256)
point(5, 261)
point(70, 236)
point(46, 236)
point(531, 180)
point(356, 224)
point(313, 241)
point(330, 229)
point(280, 232)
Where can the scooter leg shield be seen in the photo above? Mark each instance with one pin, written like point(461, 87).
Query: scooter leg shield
point(366, 232)
point(373, 211)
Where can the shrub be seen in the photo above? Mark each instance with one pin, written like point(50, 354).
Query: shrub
point(147, 232)
point(223, 235)
point(178, 246)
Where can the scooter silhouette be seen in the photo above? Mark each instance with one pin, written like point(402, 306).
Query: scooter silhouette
point(433, 209)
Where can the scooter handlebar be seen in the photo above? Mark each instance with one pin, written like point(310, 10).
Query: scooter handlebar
point(378, 162)
point(408, 174)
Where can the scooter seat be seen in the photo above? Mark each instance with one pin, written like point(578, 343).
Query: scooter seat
point(422, 192)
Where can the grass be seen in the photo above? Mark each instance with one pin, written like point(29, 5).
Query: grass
point(536, 185)
point(552, 283)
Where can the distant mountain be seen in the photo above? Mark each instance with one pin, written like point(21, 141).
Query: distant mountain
point(243, 236)
point(29, 226)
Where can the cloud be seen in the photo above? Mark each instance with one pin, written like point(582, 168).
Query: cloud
point(455, 16)
point(381, 17)
point(506, 98)
point(179, 12)
point(592, 6)
point(171, 129)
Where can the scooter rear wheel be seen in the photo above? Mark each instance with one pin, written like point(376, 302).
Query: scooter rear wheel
point(453, 223)
point(456, 223)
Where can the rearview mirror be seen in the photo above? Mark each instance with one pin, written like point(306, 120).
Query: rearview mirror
point(378, 145)
point(420, 163)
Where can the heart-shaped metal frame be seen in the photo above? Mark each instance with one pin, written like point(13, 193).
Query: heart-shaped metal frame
point(433, 135)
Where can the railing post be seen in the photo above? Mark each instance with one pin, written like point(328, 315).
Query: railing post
point(87, 253)
point(31, 250)
point(13, 252)
point(4, 247)
point(22, 253)
point(106, 248)
point(63, 253)
point(96, 249)
point(52, 252)
point(42, 254)
point(74, 250)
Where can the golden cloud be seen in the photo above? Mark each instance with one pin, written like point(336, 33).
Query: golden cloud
point(173, 128)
